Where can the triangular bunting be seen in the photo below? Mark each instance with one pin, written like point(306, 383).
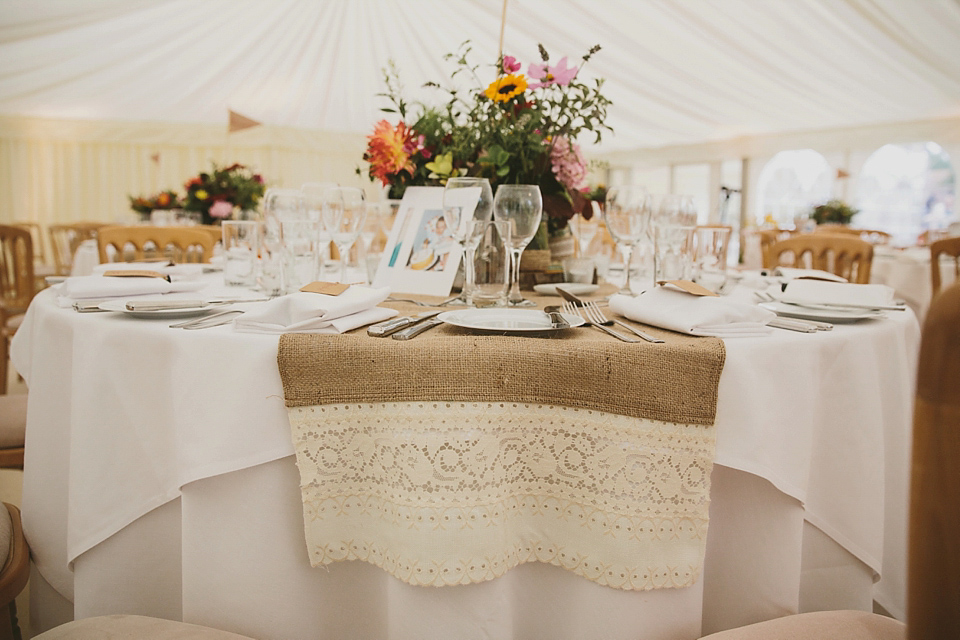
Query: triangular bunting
point(240, 122)
point(155, 157)
point(841, 174)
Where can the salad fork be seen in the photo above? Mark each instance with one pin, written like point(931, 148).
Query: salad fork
point(569, 308)
point(597, 317)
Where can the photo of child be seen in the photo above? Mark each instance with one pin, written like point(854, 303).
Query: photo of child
point(431, 244)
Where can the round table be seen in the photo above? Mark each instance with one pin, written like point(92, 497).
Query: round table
point(159, 479)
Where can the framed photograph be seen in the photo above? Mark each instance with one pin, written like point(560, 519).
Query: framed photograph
point(421, 256)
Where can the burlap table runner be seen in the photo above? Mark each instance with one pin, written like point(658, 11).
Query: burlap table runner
point(455, 456)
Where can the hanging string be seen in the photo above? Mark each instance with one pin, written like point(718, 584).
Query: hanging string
point(503, 24)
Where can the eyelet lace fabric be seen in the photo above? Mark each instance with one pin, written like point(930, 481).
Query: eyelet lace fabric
point(445, 493)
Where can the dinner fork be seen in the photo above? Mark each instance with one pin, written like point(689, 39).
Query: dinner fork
point(569, 308)
point(597, 317)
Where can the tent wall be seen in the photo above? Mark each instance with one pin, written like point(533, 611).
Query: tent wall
point(63, 171)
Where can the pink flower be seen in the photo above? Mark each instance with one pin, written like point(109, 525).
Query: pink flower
point(568, 164)
point(559, 75)
point(510, 64)
point(221, 209)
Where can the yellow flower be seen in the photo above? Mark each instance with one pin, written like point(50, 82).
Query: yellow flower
point(502, 89)
point(201, 194)
point(442, 166)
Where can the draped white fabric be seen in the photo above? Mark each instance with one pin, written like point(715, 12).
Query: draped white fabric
point(678, 71)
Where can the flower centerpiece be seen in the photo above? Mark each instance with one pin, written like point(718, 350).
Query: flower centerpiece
point(164, 200)
point(217, 195)
point(834, 211)
point(512, 128)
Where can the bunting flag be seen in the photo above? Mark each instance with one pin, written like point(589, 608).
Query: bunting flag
point(155, 157)
point(841, 174)
point(240, 122)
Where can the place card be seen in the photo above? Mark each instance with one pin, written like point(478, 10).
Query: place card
point(135, 273)
point(328, 288)
point(690, 287)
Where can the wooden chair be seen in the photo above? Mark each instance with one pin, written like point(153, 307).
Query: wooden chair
point(842, 255)
point(214, 230)
point(17, 287)
point(873, 236)
point(13, 428)
point(65, 238)
point(933, 585)
point(36, 235)
point(180, 244)
point(946, 247)
point(15, 563)
point(768, 238)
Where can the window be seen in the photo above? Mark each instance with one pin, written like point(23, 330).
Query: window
point(906, 189)
point(791, 184)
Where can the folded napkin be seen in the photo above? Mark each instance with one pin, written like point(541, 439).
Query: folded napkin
point(837, 293)
point(89, 287)
point(175, 271)
point(302, 312)
point(676, 310)
point(791, 273)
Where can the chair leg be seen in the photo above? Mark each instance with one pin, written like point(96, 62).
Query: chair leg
point(4, 361)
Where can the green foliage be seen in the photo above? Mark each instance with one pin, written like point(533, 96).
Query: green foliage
point(834, 211)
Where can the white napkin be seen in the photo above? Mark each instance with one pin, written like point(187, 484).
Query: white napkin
point(676, 310)
point(89, 287)
point(836, 293)
point(302, 312)
point(791, 273)
point(175, 271)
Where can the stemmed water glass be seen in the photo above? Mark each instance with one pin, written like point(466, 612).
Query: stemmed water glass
point(313, 205)
point(279, 205)
point(626, 213)
point(343, 213)
point(520, 206)
point(467, 207)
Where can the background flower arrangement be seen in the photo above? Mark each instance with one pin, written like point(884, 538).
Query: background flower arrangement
point(218, 193)
point(834, 211)
point(164, 200)
point(516, 129)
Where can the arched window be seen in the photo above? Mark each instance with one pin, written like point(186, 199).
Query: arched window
point(791, 184)
point(906, 189)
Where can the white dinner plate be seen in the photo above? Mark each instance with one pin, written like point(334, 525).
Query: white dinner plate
point(121, 306)
point(505, 320)
point(822, 315)
point(576, 288)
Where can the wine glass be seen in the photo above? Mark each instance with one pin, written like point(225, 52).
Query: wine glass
point(674, 223)
point(343, 213)
point(313, 205)
point(467, 207)
point(278, 205)
point(521, 206)
point(626, 213)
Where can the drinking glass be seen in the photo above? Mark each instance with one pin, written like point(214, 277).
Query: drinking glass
point(278, 205)
point(467, 207)
point(491, 266)
point(626, 213)
point(343, 213)
point(521, 206)
point(240, 248)
point(313, 205)
point(710, 257)
point(674, 224)
point(299, 237)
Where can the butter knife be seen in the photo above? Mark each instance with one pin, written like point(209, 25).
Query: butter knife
point(389, 327)
point(417, 329)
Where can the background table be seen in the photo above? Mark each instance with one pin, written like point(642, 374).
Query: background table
point(159, 479)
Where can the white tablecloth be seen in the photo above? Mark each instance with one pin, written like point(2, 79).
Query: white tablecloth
point(159, 469)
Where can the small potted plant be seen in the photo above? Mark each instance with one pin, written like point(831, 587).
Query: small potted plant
point(833, 212)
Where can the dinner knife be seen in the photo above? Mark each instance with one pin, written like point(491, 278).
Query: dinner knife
point(165, 305)
point(389, 327)
point(417, 329)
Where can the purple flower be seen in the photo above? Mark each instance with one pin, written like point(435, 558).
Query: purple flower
point(568, 164)
point(221, 209)
point(559, 75)
point(510, 64)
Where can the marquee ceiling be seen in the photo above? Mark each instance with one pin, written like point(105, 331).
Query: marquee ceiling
point(678, 71)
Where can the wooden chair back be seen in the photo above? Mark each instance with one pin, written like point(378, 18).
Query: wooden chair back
point(769, 237)
point(946, 247)
point(842, 255)
point(65, 238)
point(873, 236)
point(179, 244)
point(933, 602)
point(16, 268)
point(36, 235)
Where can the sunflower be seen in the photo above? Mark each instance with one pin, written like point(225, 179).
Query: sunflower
point(502, 89)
